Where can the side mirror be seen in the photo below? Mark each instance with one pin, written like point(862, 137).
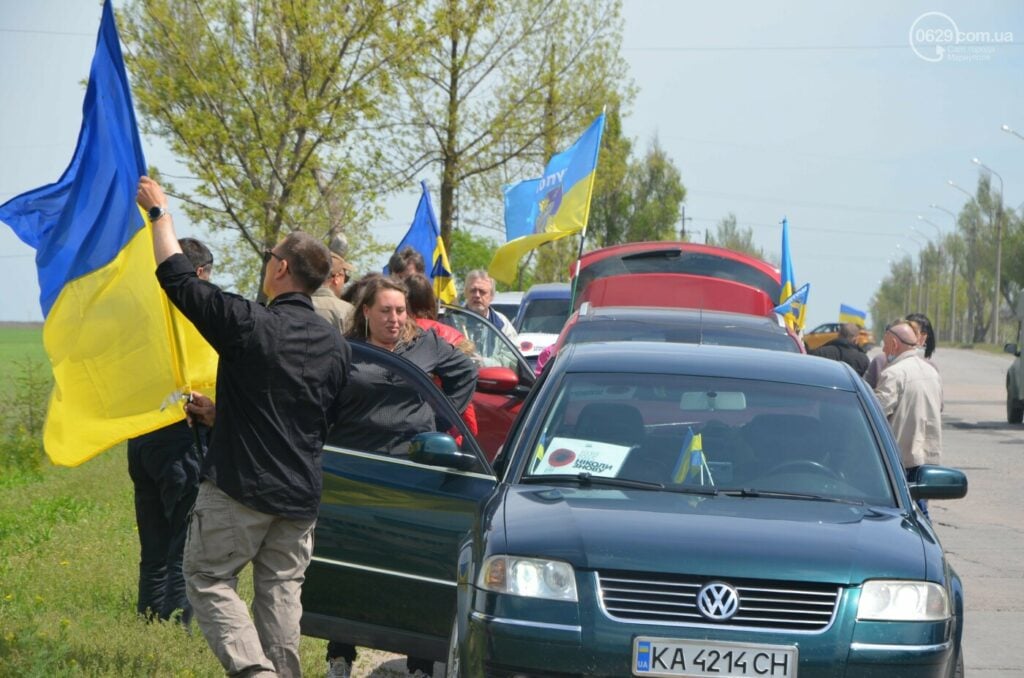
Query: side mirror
point(500, 380)
point(439, 449)
point(1010, 348)
point(938, 482)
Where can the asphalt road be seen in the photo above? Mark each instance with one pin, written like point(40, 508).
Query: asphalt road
point(983, 533)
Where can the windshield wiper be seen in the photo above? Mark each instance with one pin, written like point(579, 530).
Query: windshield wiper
point(773, 494)
point(585, 478)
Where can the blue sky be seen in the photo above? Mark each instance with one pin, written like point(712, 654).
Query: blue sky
point(821, 112)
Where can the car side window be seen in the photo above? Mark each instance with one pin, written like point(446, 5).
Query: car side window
point(489, 344)
point(387, 402)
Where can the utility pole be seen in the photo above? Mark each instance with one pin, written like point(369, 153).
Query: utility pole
point(682, 228)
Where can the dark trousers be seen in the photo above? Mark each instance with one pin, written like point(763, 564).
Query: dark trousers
point(164, 467)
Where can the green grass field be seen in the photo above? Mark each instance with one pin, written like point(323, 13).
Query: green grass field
point(69, 565)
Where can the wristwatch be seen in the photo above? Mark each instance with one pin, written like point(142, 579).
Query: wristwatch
point(156, 212)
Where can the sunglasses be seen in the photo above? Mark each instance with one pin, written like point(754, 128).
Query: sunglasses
point(267, 254)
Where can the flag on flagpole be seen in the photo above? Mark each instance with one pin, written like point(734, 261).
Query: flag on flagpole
point(795, 306)
point(108, 328)
point(849, 314)
point(424, 236)
point(795, 316)
point(691, 463)
point(552, 207)
point(521, 209)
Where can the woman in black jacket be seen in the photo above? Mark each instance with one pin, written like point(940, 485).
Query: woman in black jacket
point(381, 412)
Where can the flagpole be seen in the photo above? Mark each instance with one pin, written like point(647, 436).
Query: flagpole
point(583, 233)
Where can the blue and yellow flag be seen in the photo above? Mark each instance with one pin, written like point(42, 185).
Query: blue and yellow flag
point(108, 329)
point(691, 464)
point(795, 306)
point(849, 314)
point(795, 316)
point(552, 207)
point(424, 236)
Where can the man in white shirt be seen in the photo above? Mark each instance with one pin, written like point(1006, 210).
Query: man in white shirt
point(910, 392)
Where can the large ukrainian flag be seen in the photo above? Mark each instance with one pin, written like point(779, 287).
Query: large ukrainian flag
point(558, 203)
point(108, 331)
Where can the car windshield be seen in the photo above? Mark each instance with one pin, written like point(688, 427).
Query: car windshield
point(616, 329)
point(711, 434)
point(544, 316)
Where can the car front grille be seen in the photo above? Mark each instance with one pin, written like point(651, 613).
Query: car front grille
point(654, 598)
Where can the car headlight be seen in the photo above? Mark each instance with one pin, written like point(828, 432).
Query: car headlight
point(889, 600)
point(530, 577)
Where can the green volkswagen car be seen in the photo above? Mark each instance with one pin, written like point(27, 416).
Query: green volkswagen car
point(658, 510)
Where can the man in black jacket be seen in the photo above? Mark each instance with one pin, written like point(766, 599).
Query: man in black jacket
point(845, 349)
point(280, 373)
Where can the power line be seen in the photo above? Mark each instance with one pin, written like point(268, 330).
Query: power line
point(41, 32)
point(784, 48)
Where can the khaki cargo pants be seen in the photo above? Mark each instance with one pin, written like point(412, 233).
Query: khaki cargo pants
point(223, 537)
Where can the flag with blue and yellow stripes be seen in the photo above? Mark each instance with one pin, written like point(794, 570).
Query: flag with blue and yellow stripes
point(552, 207)
point(109, 332)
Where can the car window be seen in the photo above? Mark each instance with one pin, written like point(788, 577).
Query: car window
point(544, 316)
point(490, 345)
point(766, 337)
point(725, 434)
point(387, 401)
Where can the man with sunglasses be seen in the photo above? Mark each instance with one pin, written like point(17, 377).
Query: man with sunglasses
point(280, 373)
point(910, 392)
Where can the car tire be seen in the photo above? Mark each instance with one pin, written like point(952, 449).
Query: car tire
point(1014, 407)
point(452, 660)
point(1014, 410)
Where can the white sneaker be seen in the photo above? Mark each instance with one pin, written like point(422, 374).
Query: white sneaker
point(338, 668)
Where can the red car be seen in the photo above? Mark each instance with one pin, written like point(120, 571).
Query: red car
point(659, 273)
point(504, 381)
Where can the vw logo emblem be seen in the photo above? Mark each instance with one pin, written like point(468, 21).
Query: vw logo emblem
point(718, 601)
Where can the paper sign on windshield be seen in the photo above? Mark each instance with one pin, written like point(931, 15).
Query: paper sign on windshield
point(572, 455)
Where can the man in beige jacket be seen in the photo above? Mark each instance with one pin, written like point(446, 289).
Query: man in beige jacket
point(910, 392)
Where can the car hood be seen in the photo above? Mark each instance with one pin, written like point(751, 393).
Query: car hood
point(763, 538)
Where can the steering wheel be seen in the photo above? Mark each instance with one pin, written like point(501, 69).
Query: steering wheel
point(806, 465)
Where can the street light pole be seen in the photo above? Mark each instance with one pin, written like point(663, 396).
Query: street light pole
point(997, 296)
point(952, 274)
point(1007, 128)
point(972, 234)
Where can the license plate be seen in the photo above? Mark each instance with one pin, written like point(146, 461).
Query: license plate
point(700, 658)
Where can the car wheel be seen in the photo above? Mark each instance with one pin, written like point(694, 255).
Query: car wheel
point(1014, 409)
point(451, 666)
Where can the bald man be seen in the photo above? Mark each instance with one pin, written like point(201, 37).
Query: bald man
point(910, 392)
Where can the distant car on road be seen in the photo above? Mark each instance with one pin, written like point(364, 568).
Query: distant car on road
point(1015, 381)
point(822, 334)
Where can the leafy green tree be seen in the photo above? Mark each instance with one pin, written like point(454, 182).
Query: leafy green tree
point(612, 199)
point(272, 108)
point(728, 234)
point(657, 194)
point(502, 87)
point(468, 252)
